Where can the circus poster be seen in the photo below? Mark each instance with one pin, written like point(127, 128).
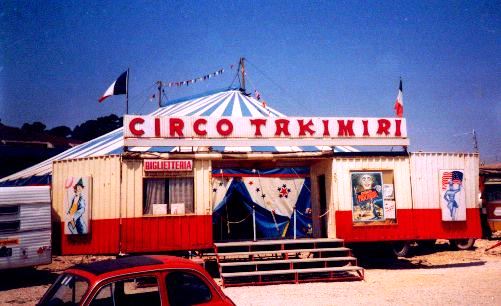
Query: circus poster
point(452, 195)
point(77, 203)
point(367, 195)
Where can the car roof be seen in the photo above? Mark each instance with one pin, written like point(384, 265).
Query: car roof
point(135, 264)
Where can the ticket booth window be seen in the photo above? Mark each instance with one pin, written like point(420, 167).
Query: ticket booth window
point(168, 196)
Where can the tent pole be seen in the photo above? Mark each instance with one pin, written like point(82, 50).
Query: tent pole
point(159, 94)
point(254, 221)
point(295, 213)
point(242, 71)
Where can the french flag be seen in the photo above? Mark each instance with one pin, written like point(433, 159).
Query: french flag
point(119, 87)
point(399, 103)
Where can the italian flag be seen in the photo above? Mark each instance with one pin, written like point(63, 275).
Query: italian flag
point(399, 103)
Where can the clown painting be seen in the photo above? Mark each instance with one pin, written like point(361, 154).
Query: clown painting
point(367, 197)
point(77, 206)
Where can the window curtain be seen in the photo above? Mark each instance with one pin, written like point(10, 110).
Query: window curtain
point(155, 194)
point(181, 191)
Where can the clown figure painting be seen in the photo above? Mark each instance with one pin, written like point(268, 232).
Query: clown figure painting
point(77, 205)
point(367, 196)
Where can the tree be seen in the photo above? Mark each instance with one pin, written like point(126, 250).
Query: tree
point(91, 129)
point(60, 131)
point(35, 127)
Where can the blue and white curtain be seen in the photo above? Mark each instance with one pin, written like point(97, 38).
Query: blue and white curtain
point(276, 195)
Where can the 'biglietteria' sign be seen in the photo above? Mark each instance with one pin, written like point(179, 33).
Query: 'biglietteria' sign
point(265, 131)
point(155, 165)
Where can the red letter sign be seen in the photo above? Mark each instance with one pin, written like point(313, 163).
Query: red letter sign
point(258, 123)
point(383, 126)
point(132, 126)
point(176, 126)
point(303, 128)
point(196, 127)
point(366, 127)
point(345, 129)
point(282, 126)
point(228, 124)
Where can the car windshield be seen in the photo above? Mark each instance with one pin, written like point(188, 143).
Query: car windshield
point(68, 290)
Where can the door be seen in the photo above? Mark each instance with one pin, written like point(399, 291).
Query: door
point(322, 197)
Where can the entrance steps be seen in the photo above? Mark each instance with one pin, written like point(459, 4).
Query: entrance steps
point(263, 262)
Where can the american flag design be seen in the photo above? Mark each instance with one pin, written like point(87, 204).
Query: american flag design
point(455, 176)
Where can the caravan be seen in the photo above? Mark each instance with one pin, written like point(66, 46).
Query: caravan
point(25, 229)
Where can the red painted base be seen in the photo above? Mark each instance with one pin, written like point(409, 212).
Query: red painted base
point(177, 233)
point(412, 224)
point(102, 239)
point(170, 233)
point(141, 235)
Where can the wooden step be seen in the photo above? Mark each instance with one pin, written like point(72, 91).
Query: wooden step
point(292, 271)
point(277, 242)
point(280, 261)
point(339, 249)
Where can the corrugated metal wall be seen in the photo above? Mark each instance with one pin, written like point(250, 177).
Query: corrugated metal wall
point(418, 213)
point(425, 168)
point(35, 226)
point(164, 233)
point(343, 166)
point(132, 188)
point(202, 177)
point(105, 204)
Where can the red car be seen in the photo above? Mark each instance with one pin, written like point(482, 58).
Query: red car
point(136, 280)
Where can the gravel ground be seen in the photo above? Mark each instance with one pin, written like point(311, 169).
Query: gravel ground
point(427, 278)
point(432, 277)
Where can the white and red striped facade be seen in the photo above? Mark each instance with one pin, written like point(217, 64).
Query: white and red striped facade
point(118, 224)
point(116, 164)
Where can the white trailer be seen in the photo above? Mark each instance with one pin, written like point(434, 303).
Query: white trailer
point(25, 226)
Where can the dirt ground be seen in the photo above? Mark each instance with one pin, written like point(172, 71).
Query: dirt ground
point(429, 277)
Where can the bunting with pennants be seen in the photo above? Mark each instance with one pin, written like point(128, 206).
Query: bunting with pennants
point(195, 80)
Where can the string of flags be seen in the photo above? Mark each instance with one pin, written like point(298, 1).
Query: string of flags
point(257, 95)
point(195, 80)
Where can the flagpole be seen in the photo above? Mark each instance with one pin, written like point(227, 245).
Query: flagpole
point(127, 93)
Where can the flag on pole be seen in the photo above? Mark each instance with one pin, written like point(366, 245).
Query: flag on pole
point(399, 103)
point(119, 87)
point(257, 95)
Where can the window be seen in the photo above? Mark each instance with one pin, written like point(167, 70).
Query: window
point(168, 196)
point(9, 210)
point(186, 289)
point(10, 226)
point(135, 291)
point(492, 192)
point(67, 290)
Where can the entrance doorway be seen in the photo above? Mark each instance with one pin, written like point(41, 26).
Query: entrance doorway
point(262, 203)
point(322, 196)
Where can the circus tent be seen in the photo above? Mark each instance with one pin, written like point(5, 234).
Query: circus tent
point(231, 102)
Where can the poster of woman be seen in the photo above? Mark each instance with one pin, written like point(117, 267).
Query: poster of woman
point(368, 203)
point(77, 205)
point(452, 195)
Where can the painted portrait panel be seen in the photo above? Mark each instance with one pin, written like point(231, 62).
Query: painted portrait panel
point(367, 196)
point(77, 205)
point(452, 195)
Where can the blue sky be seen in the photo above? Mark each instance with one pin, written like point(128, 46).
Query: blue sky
point(311, 58)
